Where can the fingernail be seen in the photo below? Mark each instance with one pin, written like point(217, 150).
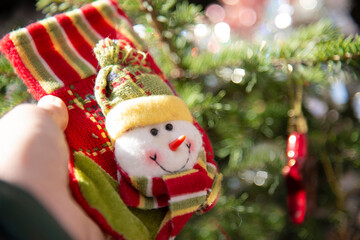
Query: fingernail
point(50, 99)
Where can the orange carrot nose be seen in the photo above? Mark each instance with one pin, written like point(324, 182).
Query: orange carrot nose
point(177, 142)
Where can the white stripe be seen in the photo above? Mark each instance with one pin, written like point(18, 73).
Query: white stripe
point(71, 46)
point(118, 175)
point(156, 204)
point(85, 21)
point(211, 165)
point(43, 62)
point(188, 196)
point(149, 187)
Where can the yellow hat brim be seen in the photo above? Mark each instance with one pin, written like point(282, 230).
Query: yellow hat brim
point(144, 111)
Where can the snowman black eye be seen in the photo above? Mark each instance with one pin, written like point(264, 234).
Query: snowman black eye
point(169, 127)
point(154, 131)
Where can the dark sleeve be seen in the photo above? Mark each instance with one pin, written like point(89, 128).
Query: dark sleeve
point(23, 217)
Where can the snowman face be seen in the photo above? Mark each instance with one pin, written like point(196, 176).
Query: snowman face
point(159, 149)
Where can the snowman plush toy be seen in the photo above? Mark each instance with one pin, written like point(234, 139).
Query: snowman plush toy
point(158, 149)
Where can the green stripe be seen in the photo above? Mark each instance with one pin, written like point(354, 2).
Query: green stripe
point(101, 193)
point(210, 169)
point(149, 203)
point(22, 41)
point(78, 21)
point(142, 183)
point(191, 202)
point(63, 43)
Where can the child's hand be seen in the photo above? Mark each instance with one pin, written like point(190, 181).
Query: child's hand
point(34, 155)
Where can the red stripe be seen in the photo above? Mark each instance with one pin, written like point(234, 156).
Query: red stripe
point(207, 145)
point(150, 61)
point(98, 22)
point(47, 51)
point(120, 11)
point(129, 195)
point(190, 183)
point(207, 208)
point(77, 40)
point(158, 186)
point(162, 201)
point(8, 48)
point(179, 222)
point(164, 232)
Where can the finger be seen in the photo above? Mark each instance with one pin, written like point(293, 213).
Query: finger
point(56, 108)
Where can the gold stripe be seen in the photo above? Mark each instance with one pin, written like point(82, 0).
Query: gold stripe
point(79, 104)
point(215, 190)
point(210, 175)
point(201, 163)
point(165, 220)
point(78, 22)
point(184, 211)
point(102, 8)
point(32, 60)
point(142, 201)
point(59, 48)
point(134, 183)
point(166, 177)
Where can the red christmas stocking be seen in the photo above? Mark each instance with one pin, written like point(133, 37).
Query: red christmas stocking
point(55, 56)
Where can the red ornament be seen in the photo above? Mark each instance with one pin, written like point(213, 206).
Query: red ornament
point(296, 195)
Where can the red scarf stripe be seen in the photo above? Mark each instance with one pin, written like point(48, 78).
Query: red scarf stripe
point(52, 57)
point(8, 48)
point(163, 201)
point(158, 186)
point(129, 195)
point(98, 23)
point(178, 223)
point(165, 231)
point(188, 184)
point(120, 11)
point(77, 40)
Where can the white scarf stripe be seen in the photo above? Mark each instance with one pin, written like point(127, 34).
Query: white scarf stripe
point(149, 187)
point(188, 196)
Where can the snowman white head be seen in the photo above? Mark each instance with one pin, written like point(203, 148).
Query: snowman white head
point(152, 130)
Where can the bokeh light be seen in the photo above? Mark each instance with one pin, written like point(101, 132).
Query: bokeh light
point(247, 17)
point(283, 20)
point(222, 32)
point(215, 13)
point(308, 4)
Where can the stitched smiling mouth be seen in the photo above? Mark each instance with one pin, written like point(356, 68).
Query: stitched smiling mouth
point(187, 160)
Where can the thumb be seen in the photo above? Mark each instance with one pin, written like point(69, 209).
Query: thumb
point(56, 108)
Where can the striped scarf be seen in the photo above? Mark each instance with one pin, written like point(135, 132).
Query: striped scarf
point(183, 193)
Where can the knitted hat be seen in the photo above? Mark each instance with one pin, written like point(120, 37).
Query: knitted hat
point(129, 93)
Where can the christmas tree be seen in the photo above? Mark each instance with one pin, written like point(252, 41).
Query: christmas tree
point(252, 74)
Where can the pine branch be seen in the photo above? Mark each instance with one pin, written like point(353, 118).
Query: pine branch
point(148, 7)
point(51, 7)
point(12, 90)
